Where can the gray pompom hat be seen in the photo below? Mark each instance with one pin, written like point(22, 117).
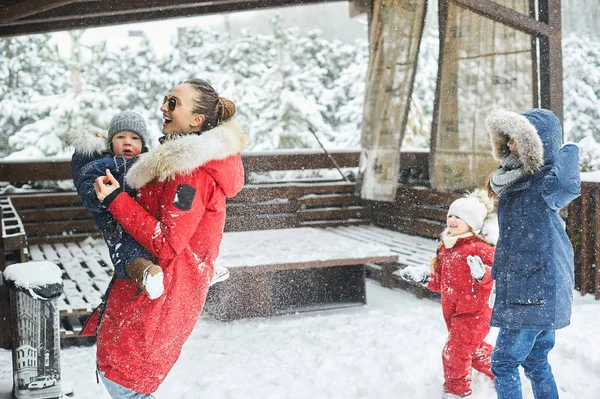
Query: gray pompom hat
point(128, 121)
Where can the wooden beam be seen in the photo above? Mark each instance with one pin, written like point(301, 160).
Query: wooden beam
point(26, 170)
point(507, 16)
point(551, 70)
point(28, 8)
point(114, 12)
point(411, 164)
point(60, 169)
point(535, 62)
point(298, 161)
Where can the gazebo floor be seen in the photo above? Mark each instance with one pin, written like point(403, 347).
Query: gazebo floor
point(87, 269)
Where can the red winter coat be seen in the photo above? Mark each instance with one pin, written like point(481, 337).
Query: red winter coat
point(178, 216)
point(461, 294)
point(466, 312)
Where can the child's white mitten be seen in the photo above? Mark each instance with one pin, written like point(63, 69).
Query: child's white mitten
point(415, 274)
point(477, 268)
point(492, 296)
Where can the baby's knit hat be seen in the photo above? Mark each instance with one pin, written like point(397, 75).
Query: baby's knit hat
point(471, 209)
point(131, 121)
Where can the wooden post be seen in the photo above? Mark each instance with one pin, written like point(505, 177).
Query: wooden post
point(597, 245)
point(395, 35)
point(574, 222)
point(585, 264)
point(551, 71)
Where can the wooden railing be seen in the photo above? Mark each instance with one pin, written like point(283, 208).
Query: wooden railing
point(414, 165)
point(50, 216)
point(583, 226)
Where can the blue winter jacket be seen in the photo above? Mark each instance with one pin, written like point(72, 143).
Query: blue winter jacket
point(533, 264)
point(87, 164)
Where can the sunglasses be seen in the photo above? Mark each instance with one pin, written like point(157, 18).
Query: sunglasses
point(173, 102)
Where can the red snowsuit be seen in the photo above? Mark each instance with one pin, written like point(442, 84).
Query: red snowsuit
point(466, 311)
point(178, 216)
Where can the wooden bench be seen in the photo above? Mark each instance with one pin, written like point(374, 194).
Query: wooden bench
point(291, 270)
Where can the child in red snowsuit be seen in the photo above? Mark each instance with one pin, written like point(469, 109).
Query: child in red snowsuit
point(461, 273)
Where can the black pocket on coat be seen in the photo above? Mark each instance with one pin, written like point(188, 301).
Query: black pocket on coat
point(184, 197)
point(526, 279)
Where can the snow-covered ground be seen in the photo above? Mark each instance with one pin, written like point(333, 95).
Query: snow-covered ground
point(388, 349)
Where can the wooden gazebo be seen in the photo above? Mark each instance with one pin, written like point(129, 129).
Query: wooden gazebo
point(492, 53)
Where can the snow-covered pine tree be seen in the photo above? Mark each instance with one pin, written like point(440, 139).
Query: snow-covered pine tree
point(295, 90)
point(79, 104)
point(28, 78)
point(581, 66)
point(346, 96)
point(133, 79)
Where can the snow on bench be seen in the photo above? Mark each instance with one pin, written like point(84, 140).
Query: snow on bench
point(295, 248)
point(291, 270)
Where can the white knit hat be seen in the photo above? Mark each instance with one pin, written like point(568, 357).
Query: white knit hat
point(471, 210)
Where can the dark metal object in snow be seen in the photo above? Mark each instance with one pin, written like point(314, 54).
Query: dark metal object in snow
point(328, 154)
point(35, 340)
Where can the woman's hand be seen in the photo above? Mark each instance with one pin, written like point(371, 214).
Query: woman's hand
point(105, 185)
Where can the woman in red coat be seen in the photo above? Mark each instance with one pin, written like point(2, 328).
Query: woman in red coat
point(178, 215)
point(461, 273)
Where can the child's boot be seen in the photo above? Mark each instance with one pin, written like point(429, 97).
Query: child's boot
point(221, 274)
point(148, 276)
point(448, 395)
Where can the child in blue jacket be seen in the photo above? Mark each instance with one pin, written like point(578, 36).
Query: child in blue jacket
point(533, 265)
point(96, 152)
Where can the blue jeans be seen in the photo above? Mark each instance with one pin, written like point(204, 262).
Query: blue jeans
point(117, 391)
point(529, 349)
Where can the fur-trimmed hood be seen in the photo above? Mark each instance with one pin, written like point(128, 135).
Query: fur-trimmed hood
point(87, 142)
point(186, 153)
point(536, 132)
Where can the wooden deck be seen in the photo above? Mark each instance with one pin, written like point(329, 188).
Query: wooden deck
point(411, 251)
point(87, 269)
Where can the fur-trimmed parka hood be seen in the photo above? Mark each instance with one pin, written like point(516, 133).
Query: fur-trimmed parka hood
point(87, 142)
point(536, 132)
point(186, 153)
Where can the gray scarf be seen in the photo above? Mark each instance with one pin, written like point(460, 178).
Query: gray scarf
point(510, 172)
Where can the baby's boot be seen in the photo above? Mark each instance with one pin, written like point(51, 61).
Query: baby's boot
point(148, 276)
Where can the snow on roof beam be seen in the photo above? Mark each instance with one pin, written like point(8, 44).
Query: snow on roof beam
point(95, 13)
point(28, 8)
